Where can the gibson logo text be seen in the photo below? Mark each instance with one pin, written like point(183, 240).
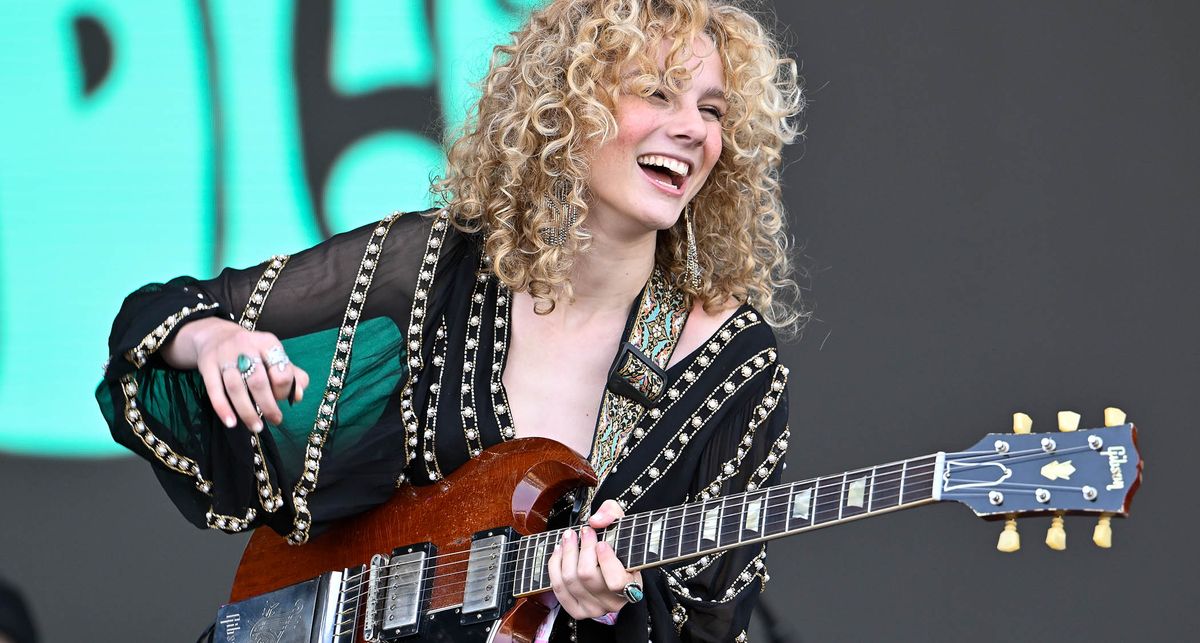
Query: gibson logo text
point(1116, 457)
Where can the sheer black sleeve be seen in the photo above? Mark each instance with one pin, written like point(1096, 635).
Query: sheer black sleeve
point(711, 599)
point(344, 312)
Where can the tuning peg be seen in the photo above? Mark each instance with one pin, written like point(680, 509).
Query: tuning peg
point(1068, 420)
point(1102, 535)
point(1113, 416)
point(1056, 536)
point(1022, 423)
point(1010, 540)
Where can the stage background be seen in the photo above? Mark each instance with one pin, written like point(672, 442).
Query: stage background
point(997, 202)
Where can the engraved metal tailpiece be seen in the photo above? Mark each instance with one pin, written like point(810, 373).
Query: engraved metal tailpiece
point(693, 261)
point(565, 217)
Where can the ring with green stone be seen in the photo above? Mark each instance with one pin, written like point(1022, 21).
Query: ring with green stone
point(633, 592)
point(245, 364)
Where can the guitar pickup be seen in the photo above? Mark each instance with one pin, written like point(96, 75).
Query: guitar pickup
point(483, 599)
point(404, 583)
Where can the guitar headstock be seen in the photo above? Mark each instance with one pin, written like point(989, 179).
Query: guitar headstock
point(1093, 471)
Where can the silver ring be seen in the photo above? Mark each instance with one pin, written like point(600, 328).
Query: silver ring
point(278, 358)
point(633, 592)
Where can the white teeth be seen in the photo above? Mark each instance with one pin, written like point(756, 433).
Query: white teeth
point(679, 168)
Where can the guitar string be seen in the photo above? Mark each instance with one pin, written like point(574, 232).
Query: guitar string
point(730, 513)
point(540, 581)
point(510, 570)
point(731, 517)
point(535, 584)
point(1025, 456)
point(686, 529)
point(822, 494)
point(686, 532)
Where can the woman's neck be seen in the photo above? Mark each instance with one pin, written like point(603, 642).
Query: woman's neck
point(611, 274)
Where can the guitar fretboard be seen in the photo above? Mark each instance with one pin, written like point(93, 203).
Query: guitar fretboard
point(700, 528)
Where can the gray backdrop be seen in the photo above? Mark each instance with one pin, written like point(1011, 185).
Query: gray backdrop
point(997, 202)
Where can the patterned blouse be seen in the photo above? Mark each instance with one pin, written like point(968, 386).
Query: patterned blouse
point(408, 331)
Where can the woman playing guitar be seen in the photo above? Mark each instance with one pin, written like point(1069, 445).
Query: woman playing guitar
point(607, 271)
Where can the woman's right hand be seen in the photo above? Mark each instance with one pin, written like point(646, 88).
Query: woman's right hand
point(213, 346)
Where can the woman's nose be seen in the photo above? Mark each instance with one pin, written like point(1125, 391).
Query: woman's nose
point(687, 125)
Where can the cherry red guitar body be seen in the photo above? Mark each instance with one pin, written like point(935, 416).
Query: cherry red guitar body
point(513, 484)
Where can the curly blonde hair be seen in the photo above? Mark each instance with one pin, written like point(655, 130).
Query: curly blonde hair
point(549, 99)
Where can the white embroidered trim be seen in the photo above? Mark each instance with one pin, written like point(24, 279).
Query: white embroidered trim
point(302, 521)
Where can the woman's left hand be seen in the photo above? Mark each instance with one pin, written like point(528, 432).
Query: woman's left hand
point(585, 574)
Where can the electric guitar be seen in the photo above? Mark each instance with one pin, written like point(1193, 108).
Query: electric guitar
point(477, 571)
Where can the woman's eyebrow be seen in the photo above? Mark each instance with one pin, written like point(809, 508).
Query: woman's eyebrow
point(714, 92)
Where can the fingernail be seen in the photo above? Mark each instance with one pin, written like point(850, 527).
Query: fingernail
point(257, 428)
point(230, 422)
point(568, 535)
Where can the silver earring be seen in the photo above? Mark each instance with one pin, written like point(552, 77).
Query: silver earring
point(693, 262)
point(565, 215)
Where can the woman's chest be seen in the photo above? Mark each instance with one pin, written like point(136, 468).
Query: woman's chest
point(555, 382)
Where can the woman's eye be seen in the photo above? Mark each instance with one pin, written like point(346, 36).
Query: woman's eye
point(658, 95)
point(713, 113)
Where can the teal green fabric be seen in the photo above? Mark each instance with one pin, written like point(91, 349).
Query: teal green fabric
point(377, 365)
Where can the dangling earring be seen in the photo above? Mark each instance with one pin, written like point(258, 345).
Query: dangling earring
point(565, 214)
point(693, 262)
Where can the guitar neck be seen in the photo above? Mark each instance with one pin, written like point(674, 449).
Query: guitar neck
point(708, 526)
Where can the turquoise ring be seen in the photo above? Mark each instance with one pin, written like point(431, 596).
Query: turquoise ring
point(633, 593)
point(245, 364)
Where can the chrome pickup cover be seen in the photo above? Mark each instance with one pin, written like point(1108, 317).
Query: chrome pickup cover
point(402, 602)
point(481, 598)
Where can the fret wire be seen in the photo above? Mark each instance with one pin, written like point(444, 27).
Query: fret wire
point(519, 579)
point(650, 531)
point(682, 518)
point(527, 557)
point(903, 474)
point(720, 520)
point(815, 502)
point(842, 496)
point(871, 493)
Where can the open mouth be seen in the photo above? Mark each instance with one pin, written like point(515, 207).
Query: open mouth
point(668, 172)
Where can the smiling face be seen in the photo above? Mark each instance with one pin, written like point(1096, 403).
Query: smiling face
point(665, 148)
